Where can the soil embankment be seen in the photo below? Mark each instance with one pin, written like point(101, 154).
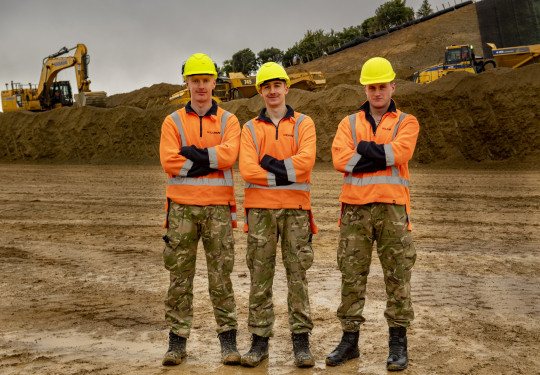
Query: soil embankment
point(463, 117)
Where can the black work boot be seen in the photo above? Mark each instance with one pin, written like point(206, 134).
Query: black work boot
point(346, 349)
point(257, 353)
point(398, 358)
point(229, 353)
point(302, 355)
point(176, 352)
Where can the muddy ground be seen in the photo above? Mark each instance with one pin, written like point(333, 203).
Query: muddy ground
point(83, 283)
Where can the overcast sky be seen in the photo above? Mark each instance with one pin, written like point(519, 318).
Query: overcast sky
point(137, 43)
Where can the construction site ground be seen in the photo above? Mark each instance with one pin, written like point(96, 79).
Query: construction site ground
point(83, 282)
point(83, 203)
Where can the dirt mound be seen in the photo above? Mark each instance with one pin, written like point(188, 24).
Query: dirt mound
point(489, 116)
point(463, 117)
point(155, 95)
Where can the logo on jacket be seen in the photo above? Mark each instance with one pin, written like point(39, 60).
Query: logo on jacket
point(289, 135)
point(211, 132)
point(387, 128)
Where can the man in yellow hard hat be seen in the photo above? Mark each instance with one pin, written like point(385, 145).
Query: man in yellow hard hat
point(199, 145)
point(372, 148)
point(277, 154)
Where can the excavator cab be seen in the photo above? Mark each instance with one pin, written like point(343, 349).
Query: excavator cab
point(60, 94)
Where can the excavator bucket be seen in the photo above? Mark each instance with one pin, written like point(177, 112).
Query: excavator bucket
point(91, 98)
point(307, 80)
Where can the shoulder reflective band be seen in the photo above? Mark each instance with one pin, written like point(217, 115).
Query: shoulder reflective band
point(352, 120)
point(176, 118)
point(212, 154)
point(251, 128)
point(296, 126)
point(303, 186)
point(389, 152)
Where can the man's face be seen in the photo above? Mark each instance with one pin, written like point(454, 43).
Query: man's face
point(273, 93)
point(379, 94)
point(200, 87)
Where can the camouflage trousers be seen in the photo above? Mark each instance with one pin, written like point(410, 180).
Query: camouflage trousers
point(265, 228)
point(186, 225)
point(361, 226)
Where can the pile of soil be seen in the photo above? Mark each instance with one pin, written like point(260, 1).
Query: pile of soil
point(463, 117)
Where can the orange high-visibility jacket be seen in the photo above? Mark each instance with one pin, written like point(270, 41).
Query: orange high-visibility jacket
point(289, 148)
point(210, 144)
point(375, 163)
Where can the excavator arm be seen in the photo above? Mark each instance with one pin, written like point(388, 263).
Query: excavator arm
point(54, 63)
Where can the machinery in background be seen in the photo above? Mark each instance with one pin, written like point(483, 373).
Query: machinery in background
point(459, 58)
point(237, 86)
point(50, 93)
point(515, 57)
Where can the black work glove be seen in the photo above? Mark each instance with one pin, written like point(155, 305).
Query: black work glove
point(275, 166)
point(193, 153)
point(198, 170)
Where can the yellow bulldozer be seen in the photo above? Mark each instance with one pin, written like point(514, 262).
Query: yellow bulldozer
point(237, 85)
point(50, 93)
point(460, 58)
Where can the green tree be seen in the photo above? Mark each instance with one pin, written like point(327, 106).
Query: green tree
point(348, 34)
point(270, 54)
point(368, 26)
point(425, 9)
point(392, 12)
point(244, 61)
point(227, 67)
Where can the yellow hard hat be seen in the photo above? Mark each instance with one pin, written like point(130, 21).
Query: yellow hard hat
point(377, 70)
point(271, 71)
point(199, 63)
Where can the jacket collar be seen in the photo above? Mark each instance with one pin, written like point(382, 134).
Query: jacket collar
point(391, 108)
point(371, 120)
point(263, 117)
point(211, 112)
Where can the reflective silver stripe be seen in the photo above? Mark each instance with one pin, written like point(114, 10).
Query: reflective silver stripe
point(228, 176)
point(251, 128)
point(352, 162)
point(233, 215)
point(296, 186)
point(224, 119)
point(228, 172)
point(291, 173)
point(185, 168)
point(296, 126)
point(389, 153)
point(375, 180)
point(200, 181)
point(271, 179)
point(212, 157)
point(401, 117)
point(352, 120)
point(176, 118)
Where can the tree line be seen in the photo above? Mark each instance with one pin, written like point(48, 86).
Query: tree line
point(316, 43)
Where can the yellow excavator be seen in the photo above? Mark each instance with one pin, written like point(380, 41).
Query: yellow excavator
point(50, 93)
point(237, 85)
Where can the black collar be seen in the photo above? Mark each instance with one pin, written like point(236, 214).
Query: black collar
point(391, 107)
point(262, 116)
point(369, 117)
point(211, 112)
